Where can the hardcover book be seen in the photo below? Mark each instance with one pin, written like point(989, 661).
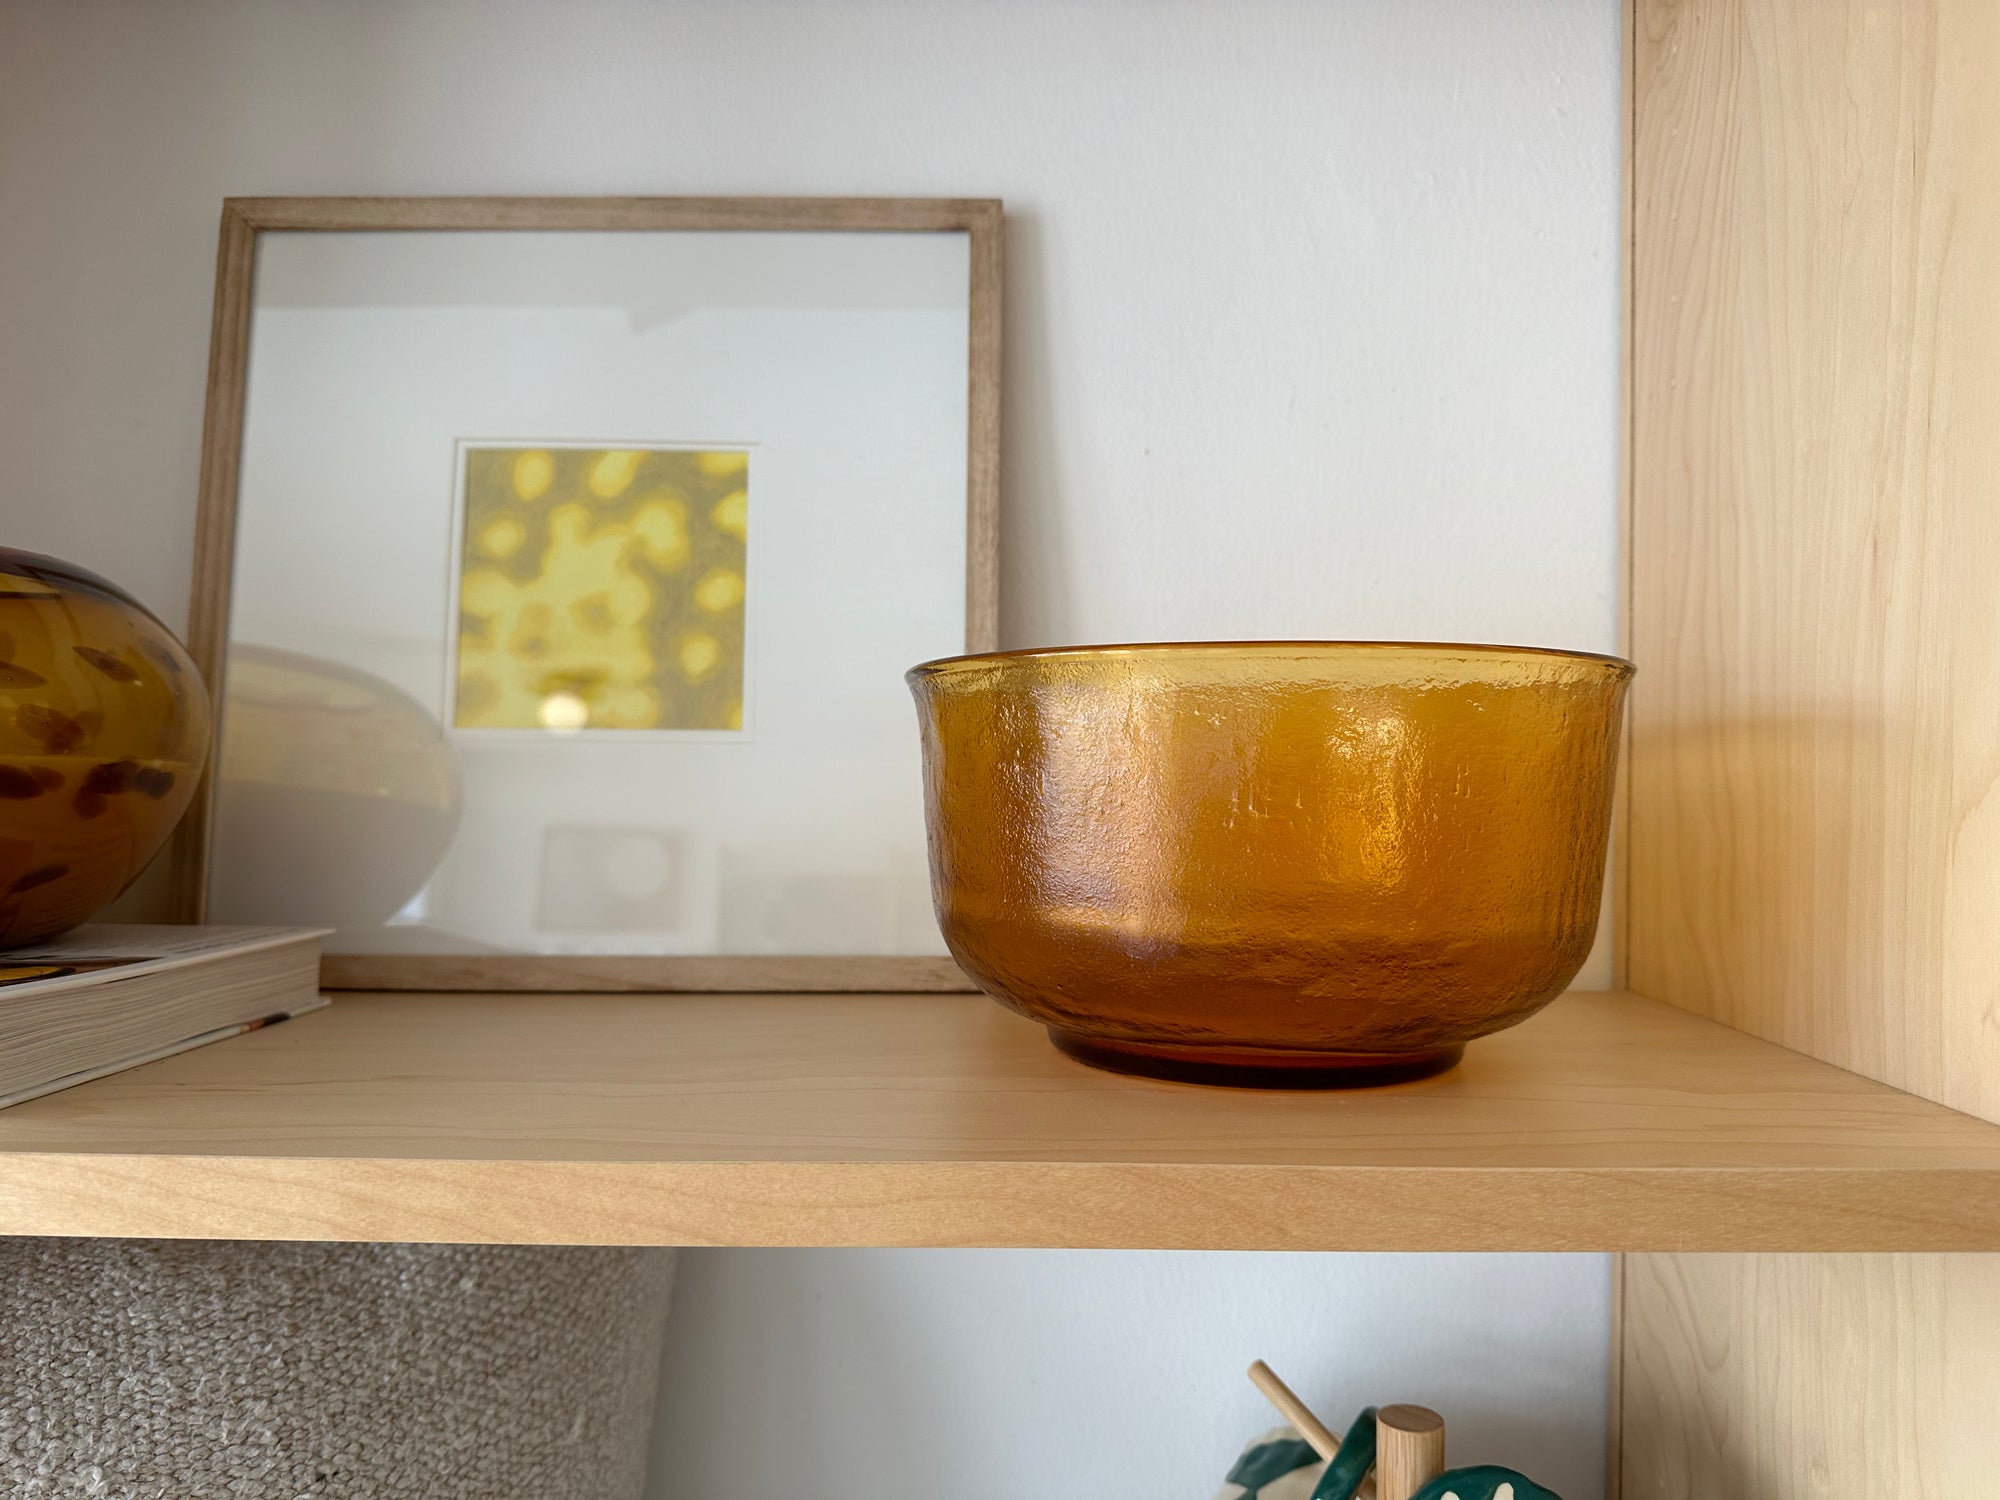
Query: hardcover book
point(108, 997)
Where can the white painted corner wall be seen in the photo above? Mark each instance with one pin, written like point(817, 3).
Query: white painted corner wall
point(1311, 331)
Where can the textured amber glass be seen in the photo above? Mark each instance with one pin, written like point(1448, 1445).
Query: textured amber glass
point(1293, 863)
point(103, 731)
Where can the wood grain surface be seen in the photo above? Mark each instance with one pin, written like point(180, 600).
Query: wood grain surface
point(1607, 1122)
point(1816, 551)
point(215, 537)
point(679, 973)
point(1409, 1450)
point(1808, 1377)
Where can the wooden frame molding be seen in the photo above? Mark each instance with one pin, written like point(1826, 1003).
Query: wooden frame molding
point(244, 219)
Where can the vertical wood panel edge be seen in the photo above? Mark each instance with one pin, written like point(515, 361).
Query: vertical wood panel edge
point(1621, 813)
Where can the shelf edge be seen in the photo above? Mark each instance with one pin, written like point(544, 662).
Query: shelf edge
point(1002, 1204)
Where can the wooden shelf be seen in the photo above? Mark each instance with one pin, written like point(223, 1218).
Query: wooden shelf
point(1607, 1122)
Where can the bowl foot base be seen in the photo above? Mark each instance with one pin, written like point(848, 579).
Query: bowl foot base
point(1255, 1067)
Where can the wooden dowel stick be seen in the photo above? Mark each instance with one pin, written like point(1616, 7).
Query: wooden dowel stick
point(1295, 1411)
point(1409, 1450)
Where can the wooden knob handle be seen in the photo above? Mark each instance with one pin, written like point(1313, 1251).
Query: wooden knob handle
point(1409, 1450)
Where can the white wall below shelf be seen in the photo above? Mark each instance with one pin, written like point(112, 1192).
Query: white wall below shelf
point(997, 1374)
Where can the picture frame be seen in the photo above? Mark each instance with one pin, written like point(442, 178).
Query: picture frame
point(245, 225)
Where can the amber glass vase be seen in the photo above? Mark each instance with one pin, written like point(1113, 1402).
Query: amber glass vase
point(1300, 864)
point(103, 732)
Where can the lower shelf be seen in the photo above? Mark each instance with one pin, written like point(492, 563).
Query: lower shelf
point(1607, 1122)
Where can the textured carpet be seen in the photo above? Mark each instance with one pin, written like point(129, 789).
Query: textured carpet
point(183, 1370)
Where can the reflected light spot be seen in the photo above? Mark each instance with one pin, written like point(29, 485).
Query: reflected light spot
point(563, 712)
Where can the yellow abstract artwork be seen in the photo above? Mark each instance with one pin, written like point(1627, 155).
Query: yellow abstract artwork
point(601, 588)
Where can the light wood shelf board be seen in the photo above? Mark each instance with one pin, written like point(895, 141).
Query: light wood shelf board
point(1608, 1122)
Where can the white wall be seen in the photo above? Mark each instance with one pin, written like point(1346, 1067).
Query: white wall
point(1311, 331)
point(1017, 1375)
point(363, 381)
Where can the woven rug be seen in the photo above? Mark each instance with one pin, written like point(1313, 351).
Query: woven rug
point(185, 1370)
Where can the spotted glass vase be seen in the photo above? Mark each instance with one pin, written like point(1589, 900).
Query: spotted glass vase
point(104, 726)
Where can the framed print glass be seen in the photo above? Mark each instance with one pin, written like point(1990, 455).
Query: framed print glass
point(559, 563)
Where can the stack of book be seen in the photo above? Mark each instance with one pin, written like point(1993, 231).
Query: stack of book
point(105, 997)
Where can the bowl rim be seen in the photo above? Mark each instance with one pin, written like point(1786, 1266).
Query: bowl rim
point(946, 664)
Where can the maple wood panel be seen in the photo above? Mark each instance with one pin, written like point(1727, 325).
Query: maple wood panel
point(1814, 592)
point(1798, 1377)
point(1815, 826)
point(1605, 1122)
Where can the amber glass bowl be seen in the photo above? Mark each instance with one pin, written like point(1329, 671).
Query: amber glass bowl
point(1288, 863)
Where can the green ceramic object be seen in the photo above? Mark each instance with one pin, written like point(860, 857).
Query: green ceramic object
point(1267, 1462)
point(1482, 1482)
point(1351, 1464)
